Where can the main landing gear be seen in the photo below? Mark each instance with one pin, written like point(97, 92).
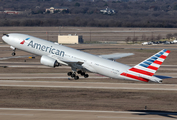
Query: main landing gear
point(83, 74)
point(73, 74)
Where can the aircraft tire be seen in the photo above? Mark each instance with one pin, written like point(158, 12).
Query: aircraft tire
point(86, 76)
point(69, 73)
point(79, 71)
point(73, 75)
point(13, 54)
point(76, 77)
point(82, 73)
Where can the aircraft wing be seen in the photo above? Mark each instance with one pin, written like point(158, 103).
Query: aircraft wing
point(72, 62)
point(115, 56)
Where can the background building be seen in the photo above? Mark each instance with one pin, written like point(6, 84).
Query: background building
point(70, 39)
point(108, 11)
point(54, 9)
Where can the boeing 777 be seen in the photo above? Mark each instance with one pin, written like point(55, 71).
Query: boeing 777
point(54, 54)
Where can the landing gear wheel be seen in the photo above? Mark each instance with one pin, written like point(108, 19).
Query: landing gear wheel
point(86, 75)
point(76, 77)
point(69, 73)
point(13, 54)
point(73, 75)
point(82, 73)
point(79, 71)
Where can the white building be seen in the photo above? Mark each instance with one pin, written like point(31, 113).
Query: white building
point(108, 11)
point(69, 39)
point(53, 9)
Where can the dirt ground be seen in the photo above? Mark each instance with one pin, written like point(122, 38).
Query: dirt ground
point(87, 99)
point(90, 34)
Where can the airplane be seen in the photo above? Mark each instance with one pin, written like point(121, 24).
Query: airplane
point(54, 55)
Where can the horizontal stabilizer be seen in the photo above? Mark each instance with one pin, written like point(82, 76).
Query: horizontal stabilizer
point(162, 77)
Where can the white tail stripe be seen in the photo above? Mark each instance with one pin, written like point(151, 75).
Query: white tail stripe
point(165, 54)
point(138, 74)
point(160, 59)
point(145, 69)
point(155, 65)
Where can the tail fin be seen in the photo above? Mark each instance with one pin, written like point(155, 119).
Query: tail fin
point(145, 70)
point(151, 65)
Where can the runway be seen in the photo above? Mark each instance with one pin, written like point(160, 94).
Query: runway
point(58, 76)
point(59, 114)
point(16, 77)
point(88, 85)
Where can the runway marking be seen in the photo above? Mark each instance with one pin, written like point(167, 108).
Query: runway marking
point(142, 118)
point(5, 58)
point(17, 114)
point(86, 87)
point(140, 84)
point(47, 77)
point(89, 111)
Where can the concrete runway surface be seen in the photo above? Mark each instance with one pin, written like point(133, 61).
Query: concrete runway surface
point(59, 76)
point(88, 85)
point(25, 80)
point(59, 114)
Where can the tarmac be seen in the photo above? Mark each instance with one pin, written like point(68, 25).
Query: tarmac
point(88, 85)
point(31, 80)
point(60, 114)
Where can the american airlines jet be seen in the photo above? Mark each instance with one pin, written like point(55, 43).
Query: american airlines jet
point(54, 55)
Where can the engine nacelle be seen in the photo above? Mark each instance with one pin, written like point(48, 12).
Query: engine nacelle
point(48, 61)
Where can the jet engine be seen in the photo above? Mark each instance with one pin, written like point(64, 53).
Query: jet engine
point(48, 61)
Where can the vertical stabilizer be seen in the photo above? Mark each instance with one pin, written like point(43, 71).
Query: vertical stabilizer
point(146, 69)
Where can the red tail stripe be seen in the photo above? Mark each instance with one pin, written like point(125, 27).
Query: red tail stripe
point(157, 62)
point(167, 51)
point(124, 74)
point(152, 67)
point(163, 56)
point(135, 77)
point(141, 71)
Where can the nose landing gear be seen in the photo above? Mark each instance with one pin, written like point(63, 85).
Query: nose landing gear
point(13, 54)
point(13, 48)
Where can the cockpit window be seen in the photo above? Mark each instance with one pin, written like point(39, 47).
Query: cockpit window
point(6, 35)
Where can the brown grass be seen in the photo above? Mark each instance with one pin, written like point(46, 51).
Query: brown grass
point(89, 99)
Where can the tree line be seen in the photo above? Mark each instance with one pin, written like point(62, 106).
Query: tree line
point(129, 13)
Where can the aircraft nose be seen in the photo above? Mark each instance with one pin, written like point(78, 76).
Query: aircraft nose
point(5, 37)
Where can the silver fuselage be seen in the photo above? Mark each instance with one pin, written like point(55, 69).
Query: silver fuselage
point(92, 63)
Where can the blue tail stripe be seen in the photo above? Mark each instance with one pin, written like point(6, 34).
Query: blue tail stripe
point(147, 62)
point(164, 50)
point(161, 53)
point(144, 65)
point(157, 55)
point(151, 60)
point(154, 58)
